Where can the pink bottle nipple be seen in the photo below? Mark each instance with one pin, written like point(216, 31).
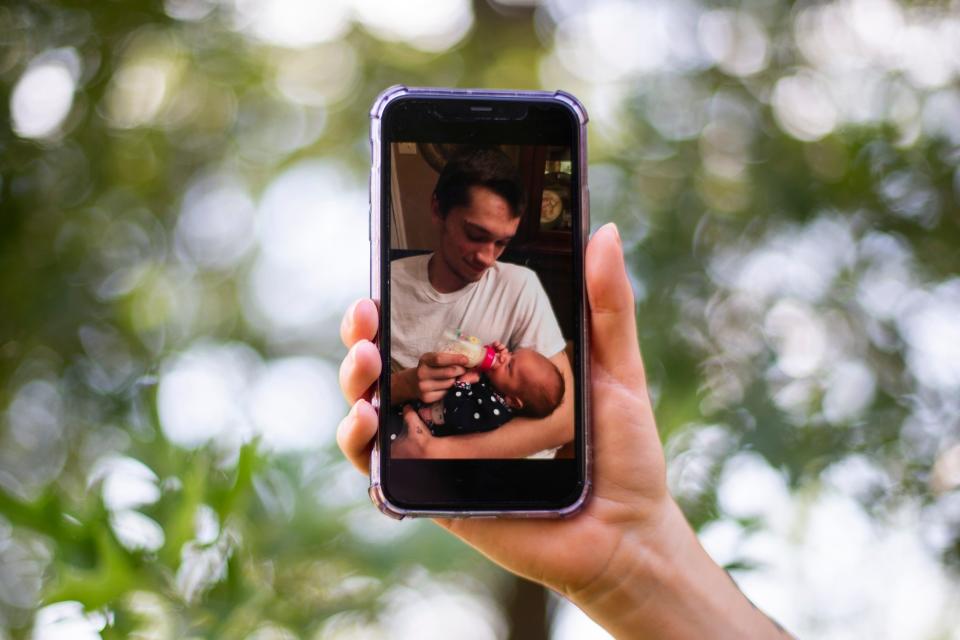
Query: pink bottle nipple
point(489, 357)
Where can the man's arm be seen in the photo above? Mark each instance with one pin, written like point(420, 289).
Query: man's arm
point(519, 437)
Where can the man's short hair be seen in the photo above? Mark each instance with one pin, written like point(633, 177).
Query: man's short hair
point(486, 167)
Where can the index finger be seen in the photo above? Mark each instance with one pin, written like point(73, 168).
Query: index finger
point(444, 359)
point(360, 322)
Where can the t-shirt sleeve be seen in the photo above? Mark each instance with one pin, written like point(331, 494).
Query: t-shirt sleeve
point(537, 327)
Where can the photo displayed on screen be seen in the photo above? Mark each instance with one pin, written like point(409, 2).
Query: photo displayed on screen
point(481, 265)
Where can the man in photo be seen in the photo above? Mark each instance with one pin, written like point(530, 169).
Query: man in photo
point(477, 205)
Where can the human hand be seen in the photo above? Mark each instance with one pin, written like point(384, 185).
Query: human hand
point(629, 478)
point(470, 377)
point(436, 372)
point(415, 443)
point(629, 558)
point(502, 353)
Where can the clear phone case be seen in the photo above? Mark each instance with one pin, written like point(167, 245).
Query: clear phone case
point(380, 104)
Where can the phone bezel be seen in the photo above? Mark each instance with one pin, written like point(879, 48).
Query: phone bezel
point(534, 488)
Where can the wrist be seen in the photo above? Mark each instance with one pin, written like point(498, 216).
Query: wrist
point(635, 569)
point(661, 583)
point(402, 389)
point(436, 448)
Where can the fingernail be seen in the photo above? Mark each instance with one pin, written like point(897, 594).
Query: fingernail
point(616, 233)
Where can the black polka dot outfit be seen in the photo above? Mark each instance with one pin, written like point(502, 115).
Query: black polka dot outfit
point(471, 408)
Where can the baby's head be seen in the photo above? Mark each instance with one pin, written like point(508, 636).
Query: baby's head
point(528, 380)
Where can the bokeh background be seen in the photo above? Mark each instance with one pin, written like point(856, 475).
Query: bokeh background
point(183, 220)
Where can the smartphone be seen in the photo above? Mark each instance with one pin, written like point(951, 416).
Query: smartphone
point(478, 223)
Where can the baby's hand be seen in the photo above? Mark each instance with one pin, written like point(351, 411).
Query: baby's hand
point(470, 377)
point(502, 353)
point(425, 412)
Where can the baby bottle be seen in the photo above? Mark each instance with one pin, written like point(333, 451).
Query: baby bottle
point(478, 355)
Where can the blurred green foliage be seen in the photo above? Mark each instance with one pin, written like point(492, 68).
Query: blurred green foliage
point(793, 268)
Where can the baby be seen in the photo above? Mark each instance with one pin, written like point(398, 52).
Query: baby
point(521, 383)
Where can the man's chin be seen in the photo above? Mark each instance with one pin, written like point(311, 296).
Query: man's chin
point(470, 275)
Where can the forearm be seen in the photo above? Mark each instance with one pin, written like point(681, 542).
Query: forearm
point(518, 438)
point(661, 583)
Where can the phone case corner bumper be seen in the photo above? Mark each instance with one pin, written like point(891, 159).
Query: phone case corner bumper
point(385, 97)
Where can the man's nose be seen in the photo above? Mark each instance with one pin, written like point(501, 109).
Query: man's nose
point(488, 254)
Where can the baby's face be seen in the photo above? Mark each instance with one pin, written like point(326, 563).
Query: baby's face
point(513, 371)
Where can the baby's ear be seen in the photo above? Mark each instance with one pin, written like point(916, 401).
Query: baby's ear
point(514, 402)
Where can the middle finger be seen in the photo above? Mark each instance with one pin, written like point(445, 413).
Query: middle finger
point(359, 322)
point(359, 370)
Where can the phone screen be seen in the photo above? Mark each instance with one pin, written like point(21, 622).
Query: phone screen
point(481, 239)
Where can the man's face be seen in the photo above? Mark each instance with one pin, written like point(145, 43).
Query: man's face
point(474, 236)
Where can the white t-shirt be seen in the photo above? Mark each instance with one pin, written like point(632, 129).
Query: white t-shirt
point(508, 304)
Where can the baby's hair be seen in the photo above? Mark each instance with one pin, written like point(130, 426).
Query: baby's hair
point(540, 400)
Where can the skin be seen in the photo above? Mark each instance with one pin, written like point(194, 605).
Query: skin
point(512, 373)
point(629, 559)
point(472, 238)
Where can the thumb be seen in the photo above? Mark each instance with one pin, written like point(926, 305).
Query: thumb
point(613, 323)
point(411, 418)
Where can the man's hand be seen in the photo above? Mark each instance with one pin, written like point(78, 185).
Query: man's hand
point(416, 441)
point(430, 379)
